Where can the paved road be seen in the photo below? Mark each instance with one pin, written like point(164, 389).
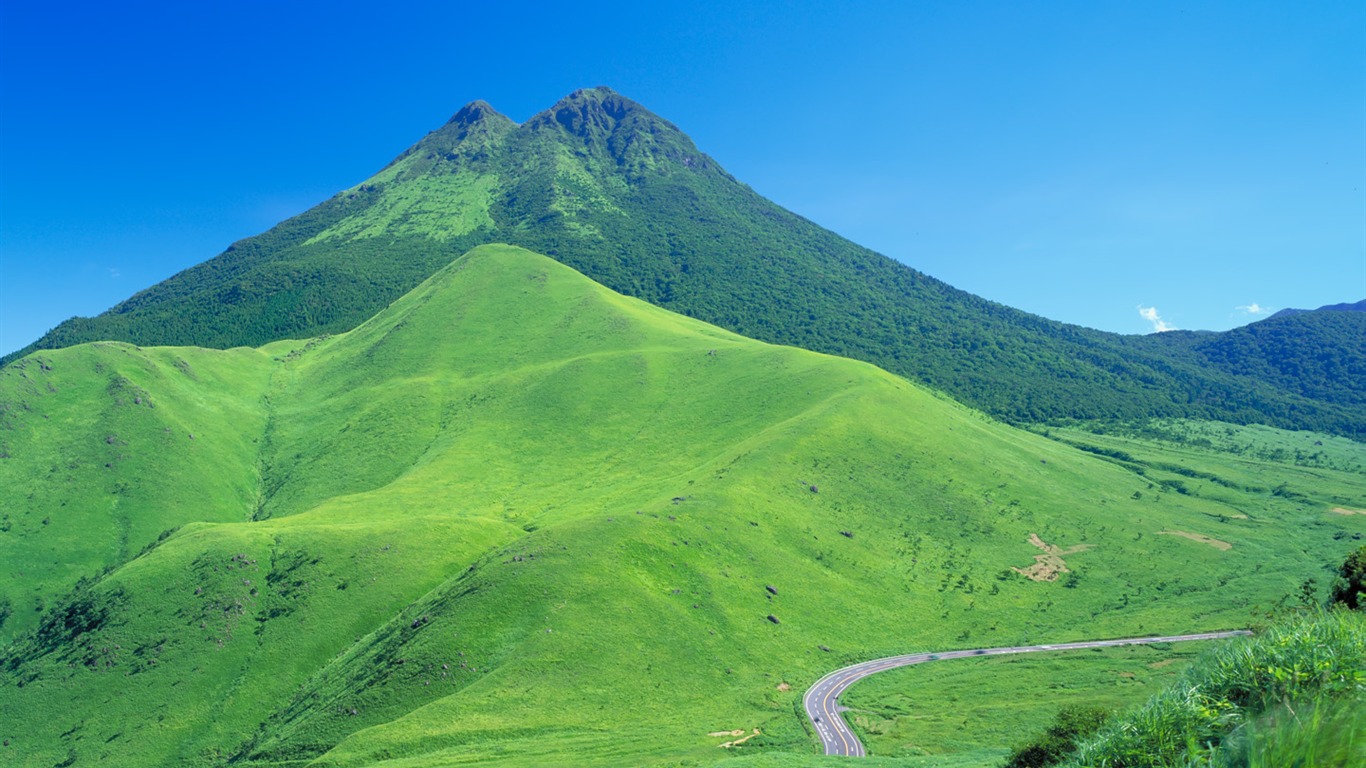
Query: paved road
point(822, 701)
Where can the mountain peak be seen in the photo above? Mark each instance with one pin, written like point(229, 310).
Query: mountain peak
point(590, 111)
point(475, 112)
point(470, 133)
point(596, 92)
point(599, 121)
point(598, 95)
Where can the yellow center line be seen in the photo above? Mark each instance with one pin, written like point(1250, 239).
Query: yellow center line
point(831, 698)
point(830, 702)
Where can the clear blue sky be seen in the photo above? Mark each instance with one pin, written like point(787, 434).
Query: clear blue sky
point(1079, 160)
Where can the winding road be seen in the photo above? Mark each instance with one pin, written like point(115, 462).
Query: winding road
point(822, 701)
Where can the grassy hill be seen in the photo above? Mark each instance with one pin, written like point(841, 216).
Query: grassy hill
point(519, 519)
point(623, 196)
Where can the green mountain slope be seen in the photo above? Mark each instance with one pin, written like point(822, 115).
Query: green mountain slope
point(517, 518)
point(108, 446)
point(620, 194)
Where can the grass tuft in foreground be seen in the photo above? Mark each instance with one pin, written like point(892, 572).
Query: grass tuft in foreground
point(1294, 695)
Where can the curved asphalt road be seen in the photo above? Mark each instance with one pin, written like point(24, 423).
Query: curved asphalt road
point(822, 701)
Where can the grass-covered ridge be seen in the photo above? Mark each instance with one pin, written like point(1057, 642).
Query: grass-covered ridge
point(521, 519)
point(623, 196)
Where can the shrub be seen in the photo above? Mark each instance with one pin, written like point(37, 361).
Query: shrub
point(1059, 740)
point(1349, 590)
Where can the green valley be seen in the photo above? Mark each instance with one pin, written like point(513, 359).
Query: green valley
point(518, 518)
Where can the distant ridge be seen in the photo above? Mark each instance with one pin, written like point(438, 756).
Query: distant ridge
point(1318, 354)
point(607, 187)
point(1359, 306)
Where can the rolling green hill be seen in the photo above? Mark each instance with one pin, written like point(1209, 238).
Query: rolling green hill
point(621, 195)
point(519, 519)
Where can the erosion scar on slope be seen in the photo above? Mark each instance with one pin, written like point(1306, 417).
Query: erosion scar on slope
point(736, 732)
point(1216, 543)
point(1047, 566)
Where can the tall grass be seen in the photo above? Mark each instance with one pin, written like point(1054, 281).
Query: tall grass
point(1292, 696)
point(1327, 733)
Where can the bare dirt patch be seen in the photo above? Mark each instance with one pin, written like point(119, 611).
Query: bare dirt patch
point(1217, 544)
point(736, 732)
point(1047, 566)
point(784, 687)
point(1161, 664)
point(1346, 511)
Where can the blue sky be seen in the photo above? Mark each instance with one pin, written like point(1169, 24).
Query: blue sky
point(1077, 160)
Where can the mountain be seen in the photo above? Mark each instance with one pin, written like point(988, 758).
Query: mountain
point(1359, 306)
point(1319, 355)
point(605, 186)
point(516, 518)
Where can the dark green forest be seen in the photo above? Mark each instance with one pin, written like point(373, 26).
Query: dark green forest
point(620, 194)
point(1319, 354)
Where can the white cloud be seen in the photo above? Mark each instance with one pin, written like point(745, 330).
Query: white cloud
point(1150, 314)
point(115, 273)
point(1253, 309)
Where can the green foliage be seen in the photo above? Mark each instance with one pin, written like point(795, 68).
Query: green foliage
point(1349, 590)
point(1325, 733)
point(621, 195)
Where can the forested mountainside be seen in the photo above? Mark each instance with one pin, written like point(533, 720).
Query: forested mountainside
point(1319, 354)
